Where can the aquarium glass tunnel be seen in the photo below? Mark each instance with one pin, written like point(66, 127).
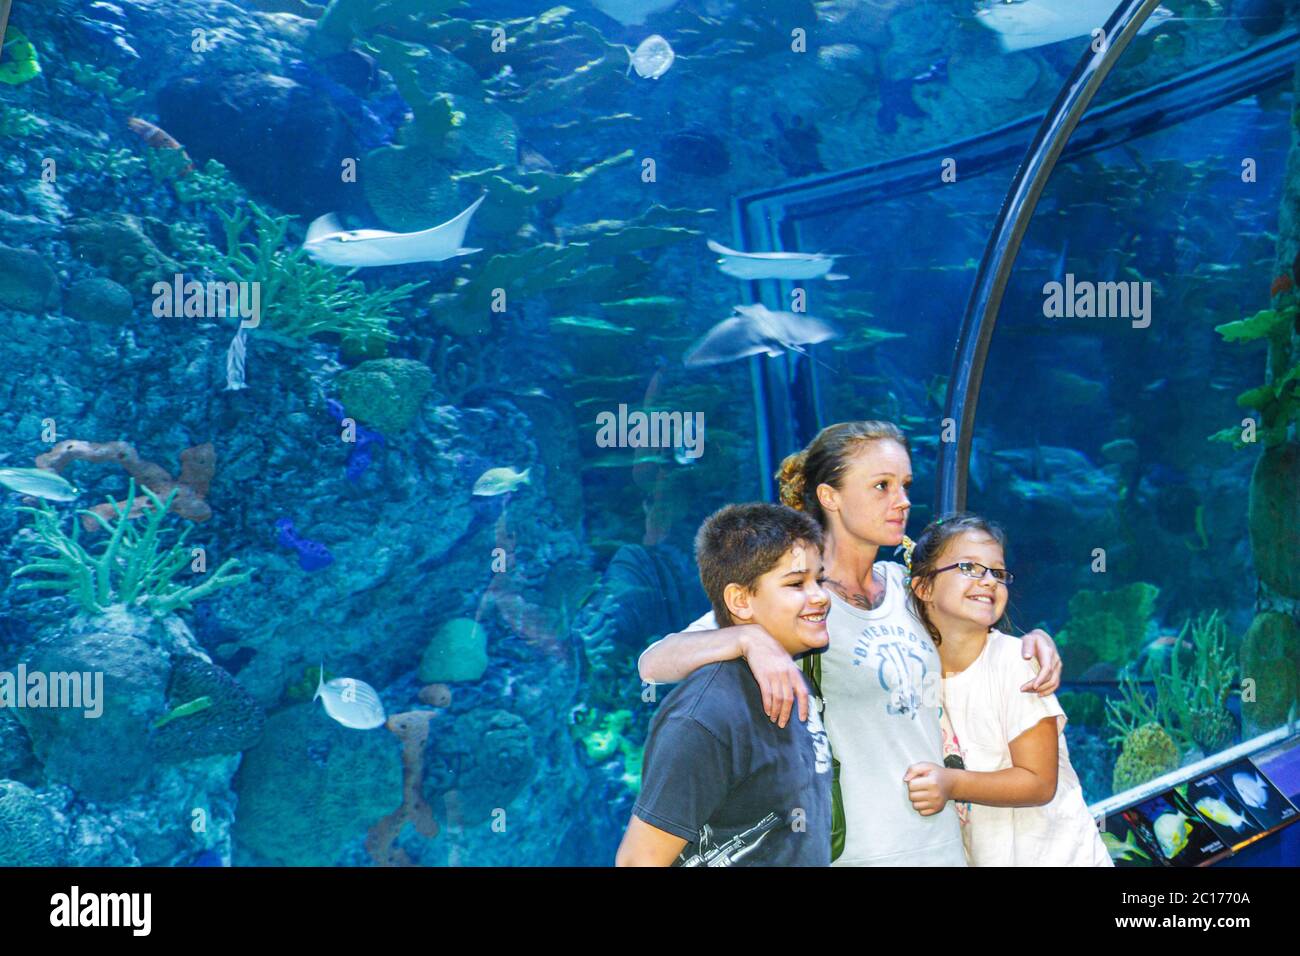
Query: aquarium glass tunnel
point(370, 369)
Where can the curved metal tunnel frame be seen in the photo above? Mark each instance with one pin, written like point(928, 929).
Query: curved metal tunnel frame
point(786, 389)
point(1009, 232)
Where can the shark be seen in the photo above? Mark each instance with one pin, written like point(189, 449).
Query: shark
point(774, 265)
point(327, 241)
point(1024, 24)
point(757, 330)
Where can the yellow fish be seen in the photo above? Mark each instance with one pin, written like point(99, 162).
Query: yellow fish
point(1172, 830)
point(1215, 809)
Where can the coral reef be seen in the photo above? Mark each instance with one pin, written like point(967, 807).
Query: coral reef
point(1274, 518)
point(187, 494)
point(386, 394)
point(1147, 753)
point(98, 299)
point(1270, 661)
point(1107, 626)
point(27, 283)
point(485, 760)
point(105, 758)
point(311, 787)
point(412, 729)
point(28, 834)
point(300, 297)
point(132, 568)
point(231, 722)
point(457, 652)
point(119, 243)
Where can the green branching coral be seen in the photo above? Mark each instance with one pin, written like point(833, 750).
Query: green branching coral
point(299, 297)
point(132, 568)
point(107, 82)
point(19, 123)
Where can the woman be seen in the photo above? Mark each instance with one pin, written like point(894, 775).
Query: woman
point(880, 676)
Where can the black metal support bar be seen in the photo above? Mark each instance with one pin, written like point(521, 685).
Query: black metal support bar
point(1004, 243)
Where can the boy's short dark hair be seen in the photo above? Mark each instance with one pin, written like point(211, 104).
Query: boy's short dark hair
point(738, 544)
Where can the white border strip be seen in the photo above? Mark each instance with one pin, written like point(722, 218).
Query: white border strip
point(1172, 779)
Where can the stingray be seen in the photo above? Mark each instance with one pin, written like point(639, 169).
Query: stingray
point(1024, 24)
point(632, 13)
point(327, 241)
point(757, 330)
point(774, 265)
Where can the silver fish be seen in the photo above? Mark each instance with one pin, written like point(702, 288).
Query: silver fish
point(774, 265)
point(235, 358)
point(497, 481)
point(1251, 789)
point(1024, 24)
point(652, 57)
point(39, 483)
point(329, 242)
point(757, 330)
point(353, 703)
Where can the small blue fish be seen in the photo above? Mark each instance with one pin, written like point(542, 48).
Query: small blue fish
point(360, 457)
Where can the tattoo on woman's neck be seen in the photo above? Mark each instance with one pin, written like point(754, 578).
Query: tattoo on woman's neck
point(857, 598)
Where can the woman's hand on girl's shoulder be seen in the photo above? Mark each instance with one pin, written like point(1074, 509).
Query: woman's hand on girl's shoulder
point(1039, 647)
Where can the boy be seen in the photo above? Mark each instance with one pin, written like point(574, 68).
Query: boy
point(720, 780)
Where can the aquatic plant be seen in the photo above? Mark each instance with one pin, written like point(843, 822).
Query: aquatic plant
point(117, 165)
point(133, 568)
point(209, 184)
point(345, 20)
point(1278, 400)
point(299, 297)
point(1191, 707)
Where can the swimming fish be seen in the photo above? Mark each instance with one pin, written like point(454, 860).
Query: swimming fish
point(236, 356)
point(498, 481)
point(329, 242)
point(774, 265)
point(1024, 24)
point(632, 13)
point(652, 57)
point(757, 330)
point(1252, 789)
point(1212, 808)
point(39, 483)
point(1127, 849)
point(1172, 830)
point(184, 710)
point(353, 703)
point(159, 138)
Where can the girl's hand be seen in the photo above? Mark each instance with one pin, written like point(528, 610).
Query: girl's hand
point(1042, 649)
point(928, 787)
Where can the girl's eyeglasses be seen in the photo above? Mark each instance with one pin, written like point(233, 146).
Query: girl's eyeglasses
point(973, 569)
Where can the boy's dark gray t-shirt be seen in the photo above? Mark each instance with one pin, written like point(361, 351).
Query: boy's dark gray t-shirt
point(713, 756)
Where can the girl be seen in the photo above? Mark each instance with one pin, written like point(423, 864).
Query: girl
point(1026, 805)
point(880, 674)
